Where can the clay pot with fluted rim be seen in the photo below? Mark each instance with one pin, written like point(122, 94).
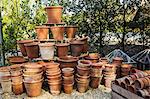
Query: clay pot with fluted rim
point(62, 49)
point(42, 32)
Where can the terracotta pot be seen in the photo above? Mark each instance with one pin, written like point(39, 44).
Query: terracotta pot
point(52, 65)
point(68, 62)
point(16, 73)
point(118, 81)
point(58, 32)
point(98, 65)
point(5, 71)
point(143, 92)
point(62, 49)
point(117, 60)
point(16, 60)
point(83, 71)
point(42, 32)
point(32, 50)
point(54, 14)
point(110, 68)
point(123, 85)
point(95, 72)
point(93, 60)
point(108, 81)
point(85, 46)
point(17, 88)
point(54, 77)
point(17, 79)
point(104, 60)
point(131, 88)
point(125, 69)
point(140, 74)
point(134, 70)
point(95, 81)
point(130, 80)
point(16, 67)
point(82, 86)
point(84, 63)
point(82, 78)
point(33, 77)
point(6, 85)
point(76, 48)
point(67, 72)
point(142, 83)
point(68, 80)
point(22, 47)
point(53, 73)
point(33, 88)
point(71, 30)
point(68, 88)
point(55, 88)
point(47, 50)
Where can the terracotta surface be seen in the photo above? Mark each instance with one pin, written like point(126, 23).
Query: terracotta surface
point(68, 88)
point(42, 32)
point(71, 30)
point(62, 49)
point(17, 88)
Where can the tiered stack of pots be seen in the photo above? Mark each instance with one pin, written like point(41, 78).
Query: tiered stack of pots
point(125, 69)
point(83, 75)
point(5, 79)
point(93, 57)
point(118, 62)
point(17, 79)
point(96, 74)
point(33, 78)
point(68, 79)
point(53, 73)
point(109, 74)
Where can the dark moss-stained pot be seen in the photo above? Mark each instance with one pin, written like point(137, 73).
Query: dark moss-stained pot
point(62, 49)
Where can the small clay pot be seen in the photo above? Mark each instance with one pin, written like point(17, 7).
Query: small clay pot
point(82, 86)
point(95, 81)
point(32, 50)
point(58, 32)
point(68, 88)
point(82, 78)
point(131, 88)
point(53, 73)
point(33, 88)
point(68, 62)
point(17, 79)
point(109, 68)
point(67, 72)
point(17, 88)
point(62, 49)
point(68, 80)
point(76, 48)
point(42, 32)
point(130, 80)
point(16, 60)
point(54, 14)
point(83, 71)
point(117, 60)
point(71, 30)
point(55, 88)
point(123, 85)
point(84, 63)
point(33, 77)
point(22, 47)
point(47, 50)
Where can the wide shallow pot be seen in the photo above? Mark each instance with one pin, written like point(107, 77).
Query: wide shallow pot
point(22, 47)
point(55, 88)
point(58, 32)
point(68, 62)
point(32, 50)
point(16, 60)
point(84, 63)
point(76, 48)
point(82, 86)
point(47, 51)
point(17, 88)
point(54, 14)
point(42, 32)
point(68, 88)
point(62, 49)
point(67, 72)
point(33, 88)
point(71, 30)
point(95, 81)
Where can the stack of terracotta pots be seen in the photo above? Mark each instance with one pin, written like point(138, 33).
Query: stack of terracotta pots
point(125, 69)
point(33, 78)
point(83, 75)
point(109, 74)
point(53, 73)
point(96, 74)
point(93, 57)
point(17, 79)
point(5, 79)
point(68, 80)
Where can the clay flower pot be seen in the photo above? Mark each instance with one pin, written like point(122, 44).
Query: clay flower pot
point(83, 71)
point(84, 63)
point(68, 62)
point(130, 79)
point(55, 88)
point(142, 83)
point(85, 46)
point(33, 77)
point(16, 67)
point(16, 60)
point(95, 72)
point(54, 14)
point(76, 48)
point(68, 80)
point(82, 78)
point(62, 49)
point(52, 66)
point(54, 77)
point(42, 32)
point(131, 88)
point(104, 60)
point(33, 88)
point(5, 72)
point(82, 86)
point(17, 79)
point(22, 47)
point(71, 30)
point(58, 32)
point(117, 60)
point(95, 81)
point(92, 59)
point(68, 88)
point(17, 88)
point(47, 50)
point(98, 65)
point(32, 50)
point(67, 72)
point(6, 85)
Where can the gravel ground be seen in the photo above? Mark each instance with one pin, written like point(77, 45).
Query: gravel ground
point(99, 93)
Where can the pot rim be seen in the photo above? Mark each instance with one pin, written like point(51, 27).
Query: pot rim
point(62, 44)
point(68, 70)
point(86, 77)
point(73, 59)
point(46, 44)
point(49, 67)
point(42, 27)
point(31, 44)
point(57, 27)
point(118, 58)
point(71, 26)
point(99, 64)
point(53, 7)
point(25, 75)
point(32, 66)
point(5, 69)
point(80, 62)
point(90, 58)
point(33, 81)
point(24, 41)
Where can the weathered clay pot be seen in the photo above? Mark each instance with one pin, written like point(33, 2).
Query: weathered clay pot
point(62, 49)
point(71, 30)
point(76, 48)
point(104, 60)
point(84, 63)
point(67, 72)
point(33, 77)
point(42, 32)
point(54, 77)
point(95, 81)
point(68, 80)
point(125, 69)
point(52, 66)
point(17, 88)
point(16, 67)
point(47, 50)
point(67, 61)
point(6, 82)
point(16, 72)
point(117, 60)
point(85, 46)
point(68, 88)
point(32, 67)
point(97, 65)
point(110, 68)
point(93, 60)
point(22, 47)
point(131, 88)
point(142, 83)
point(55, 88)
point(95, 72)
point(83, 71)
point(82, 86)
point(5, 72)
point(143, 92)
point(82, 78)
point(54, 14)
point(130, 79)
point(17, 79)
point(16, 60)
point(33, 88)
point(54, 72)
point(58, 32)
point(32, 50)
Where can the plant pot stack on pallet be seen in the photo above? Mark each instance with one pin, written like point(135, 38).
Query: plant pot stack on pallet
point(137, 83)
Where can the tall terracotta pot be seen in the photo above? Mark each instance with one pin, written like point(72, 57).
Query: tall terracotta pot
point(58, 32)
point(71, 30)
point(62, 49)
point(85, 46)
point(54, 14)
point(47, 50)
point(22, 47)
point(32, 50)
point(42, 32)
